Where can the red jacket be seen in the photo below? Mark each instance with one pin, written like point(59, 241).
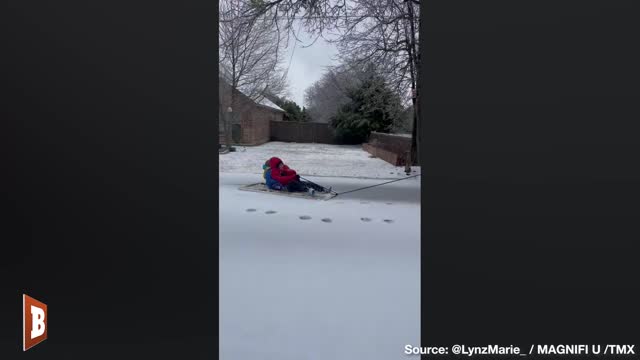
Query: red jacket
point(285, 175)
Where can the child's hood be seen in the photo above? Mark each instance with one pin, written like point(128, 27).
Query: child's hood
point(274, 162)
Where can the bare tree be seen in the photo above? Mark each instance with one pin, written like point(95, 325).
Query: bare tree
point(250, 52)
point(330, 92)
point(325, 96)
point(383, 32)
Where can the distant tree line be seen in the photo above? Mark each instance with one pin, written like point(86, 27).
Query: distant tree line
point(380, 32)
point(356, 100)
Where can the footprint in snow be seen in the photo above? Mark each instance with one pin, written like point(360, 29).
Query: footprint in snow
point(305, 217)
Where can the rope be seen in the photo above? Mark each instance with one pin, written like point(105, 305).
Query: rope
point(368, 187)
point(372, 186)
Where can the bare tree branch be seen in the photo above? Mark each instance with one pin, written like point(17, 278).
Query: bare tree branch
point(379, 32)
point(249, 50)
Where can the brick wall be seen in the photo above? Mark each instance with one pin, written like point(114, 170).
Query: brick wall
point(256, 127)
point(388, 147)
point(390, 142)
point(388, 156)
point(254, 120)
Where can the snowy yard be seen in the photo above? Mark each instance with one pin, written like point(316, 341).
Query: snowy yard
point(309, 279)
point(312, 159)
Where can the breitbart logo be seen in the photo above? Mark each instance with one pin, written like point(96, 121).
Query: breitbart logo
point(34, 322)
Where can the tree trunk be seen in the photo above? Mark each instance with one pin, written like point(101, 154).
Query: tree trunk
point(230, 117)
point(227, 129)
point(414, 133)
point(415, 155)
point(222, 118)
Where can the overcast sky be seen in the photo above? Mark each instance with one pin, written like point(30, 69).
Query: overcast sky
point(307, 64)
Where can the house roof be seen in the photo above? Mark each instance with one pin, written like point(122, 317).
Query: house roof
point(268, 103)
point(223, 76)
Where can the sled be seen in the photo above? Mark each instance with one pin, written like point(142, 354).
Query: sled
point(262, 188)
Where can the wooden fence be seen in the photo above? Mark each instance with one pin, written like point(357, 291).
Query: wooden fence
point(302, 132)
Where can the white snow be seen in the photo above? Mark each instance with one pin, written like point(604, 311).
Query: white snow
point(312, 159)
point(404, 135)
point(401, 135)
point(293, 289)
point(268, 103)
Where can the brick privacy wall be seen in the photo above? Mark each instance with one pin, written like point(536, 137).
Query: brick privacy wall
point(302, 132)
point(390, 142)
point(383, 154)
point(384, 146)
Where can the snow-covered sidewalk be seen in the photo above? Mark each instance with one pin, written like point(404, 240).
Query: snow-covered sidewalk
point(312, 160)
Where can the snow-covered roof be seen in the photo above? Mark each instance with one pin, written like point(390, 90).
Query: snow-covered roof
point(264, 101)
point(268, 103)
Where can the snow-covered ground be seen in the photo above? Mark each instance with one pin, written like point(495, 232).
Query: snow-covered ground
point(305, 279)
point(312, 159)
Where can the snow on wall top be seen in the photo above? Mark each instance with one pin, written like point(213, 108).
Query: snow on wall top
point(399, 135)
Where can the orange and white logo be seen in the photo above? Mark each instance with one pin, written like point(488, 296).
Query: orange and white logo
point(34, 322)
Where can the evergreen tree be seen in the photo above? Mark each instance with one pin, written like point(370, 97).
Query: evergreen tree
point(293, 110)
point(305, 117)
point(372, 106)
